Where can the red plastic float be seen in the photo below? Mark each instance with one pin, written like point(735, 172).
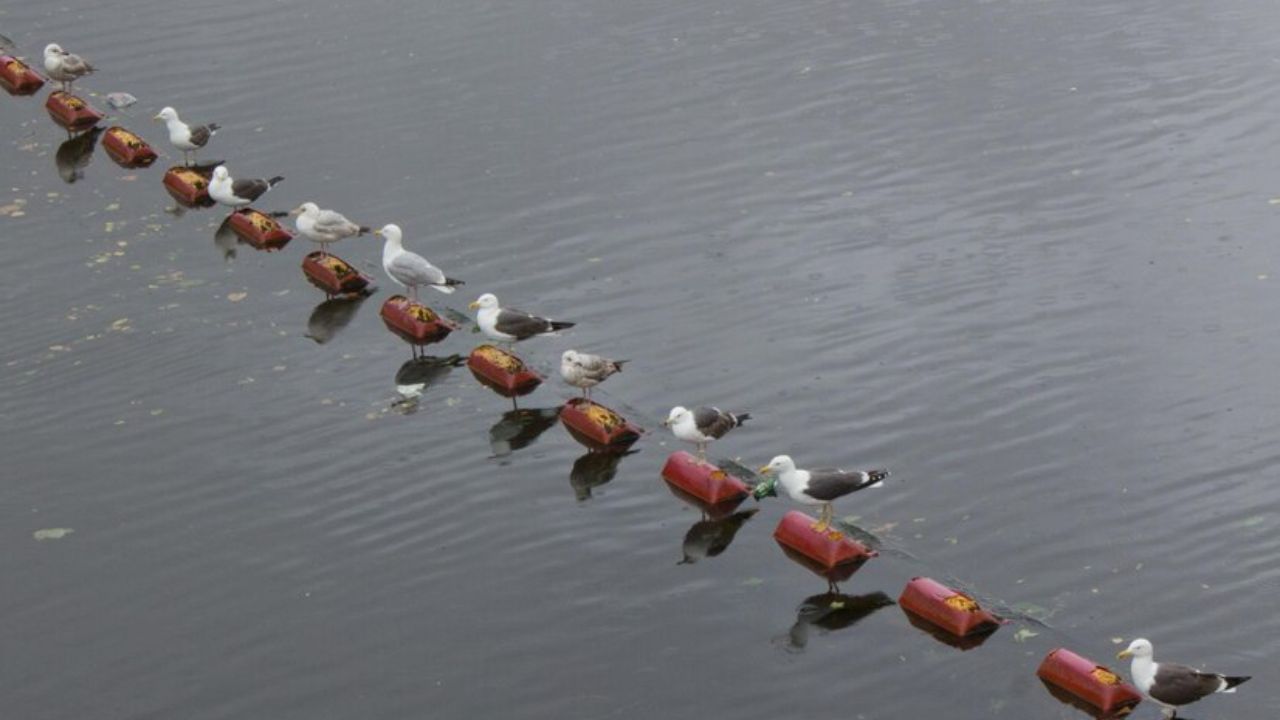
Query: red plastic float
point(1092, 684)
point(126, 149)
point(826, 548)
point(502, 371)
point(70, 111)
point(702, 480)
point(334, 275)
point(259, 229)
point(951, 610)
point(414, 322)
point(596, 426)
point(189, 186)
point(17, 77)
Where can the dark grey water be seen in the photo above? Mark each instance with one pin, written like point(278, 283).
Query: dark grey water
point(1019, 252)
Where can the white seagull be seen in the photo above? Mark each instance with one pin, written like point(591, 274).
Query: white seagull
point(509, 326)
point(820, 487)
point(410, 269)
point(585, 371)
point(1170, 685)
point(324, 226)
point(63, 66)
point(238, 193)
point(187, 138)
point(702, 425)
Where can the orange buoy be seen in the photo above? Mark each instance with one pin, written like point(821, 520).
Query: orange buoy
point(17, 77)
point(70, 111)
point(334, 275)
point(502, 371)
point(189, 186)
point(951, 610)
point(414, 322)
point(702, 480)
point(596, 426)
point(827, 548)
point(1092, 684)
point(259, 229)
point(126, 149)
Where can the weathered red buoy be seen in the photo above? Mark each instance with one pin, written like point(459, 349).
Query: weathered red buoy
point(414, 322)
point(951, 610)
point(259, 229)
point(827, 548)
point(502, 371)
point(70, 111)
point(1091, 683)
point(189, 186)
point(596, 426)
point(334, 275)
point(702, 480)
point(17, 77)
point(126, 149)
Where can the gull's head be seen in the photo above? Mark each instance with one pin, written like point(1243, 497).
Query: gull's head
point(780, 464)
point(1140, 648)
point(220, 174)
point(485, 302)
point(53, 49)
point(390, 231)
point(570, 357)
point(166, 114)
point(306, 208)
point(677, 414)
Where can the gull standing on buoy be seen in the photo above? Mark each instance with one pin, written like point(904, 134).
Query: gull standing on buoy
point(187, 138)
point(1170, 685)
point(410, 269)
point(324, 226)
point(510, 326)
point(702, 425)
point(585, 371)
point(238, 193)
point(63, 66)
point(820, 487)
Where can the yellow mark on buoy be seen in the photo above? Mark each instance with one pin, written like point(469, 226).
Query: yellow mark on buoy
point(1105, 676)
point(961, 603)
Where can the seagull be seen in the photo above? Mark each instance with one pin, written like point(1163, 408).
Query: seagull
point(1170, 685)
point(702, 425)
point(509, 326)
point(238, 193)
point(584, 370)
point(324, 226)
point(820, 487)
point(410, 269)
point(63, 66)
point(186, 138)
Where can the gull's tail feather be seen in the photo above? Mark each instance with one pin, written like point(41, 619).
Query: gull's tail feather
point(274, 181)
point(559, 325)
point(1229, 683)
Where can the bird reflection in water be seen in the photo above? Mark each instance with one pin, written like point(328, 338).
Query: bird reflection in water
point(831, 611)
point(594, 469)
point(415, 375)
point(519, 427)
point(331, 316)
point(73, 155)
point(224, 238)
point(711, 536)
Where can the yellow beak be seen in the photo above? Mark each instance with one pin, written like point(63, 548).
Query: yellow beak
point(157, 117)
point(1123, 654)
point(378, 232)
point(474, 305)
point(295, 211)
point(763, 471)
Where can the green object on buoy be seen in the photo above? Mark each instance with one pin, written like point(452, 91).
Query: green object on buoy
point(766, 488)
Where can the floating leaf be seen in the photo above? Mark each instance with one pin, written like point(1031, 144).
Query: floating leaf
point(237, 296)
point(51, 533)
point(1024, 634)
